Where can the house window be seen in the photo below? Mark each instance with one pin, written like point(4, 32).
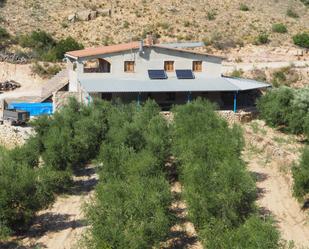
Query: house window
point(197, 66)
point(129, 66)
point(169, 66)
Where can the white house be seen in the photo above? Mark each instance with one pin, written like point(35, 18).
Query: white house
point(141, 70)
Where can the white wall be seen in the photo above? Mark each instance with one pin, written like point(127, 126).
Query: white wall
point(152, 58)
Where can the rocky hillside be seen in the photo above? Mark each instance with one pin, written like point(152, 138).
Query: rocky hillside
point(224, 23)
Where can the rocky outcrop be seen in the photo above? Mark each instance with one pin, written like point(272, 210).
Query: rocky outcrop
point(12, 136)
point(241, 116)
point(88, 15)
point(14, 58)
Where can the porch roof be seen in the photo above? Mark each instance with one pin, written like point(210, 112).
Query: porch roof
point(221, 84)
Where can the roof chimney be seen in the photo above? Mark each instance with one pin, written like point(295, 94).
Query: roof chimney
point(150, 40)
point(141, 47)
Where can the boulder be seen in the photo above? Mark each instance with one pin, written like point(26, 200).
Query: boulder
point(104, 12)
point(83, 15)
point(72, 18)
point(93, 14)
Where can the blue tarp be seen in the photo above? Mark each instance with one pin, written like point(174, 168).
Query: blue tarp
point(35, 109)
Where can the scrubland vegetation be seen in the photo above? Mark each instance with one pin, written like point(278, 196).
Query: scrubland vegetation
point(288, 109)
point(131, 207)
point(42, 45)
point(130, 145)
point(217, 187)
point(31, 175)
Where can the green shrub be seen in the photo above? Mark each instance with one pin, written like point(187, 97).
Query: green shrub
point(65, 141)
point(254, 233)
point(237, 73)
point(46, 48)
point(292, 13)
point(45, 70)
point(279, 28)
point(38, 40)
point(205, 140)
point(279, 78)
point(128, 212)
point(262, 38)
point(211, 15)
point(5, 38)
point(244, 7)
point(226, 211)
point(65, 45)
point(4, 34)
point(301, 176)
point(306, 125)
point(302, 40)
point(300, 108)
point(305, 2)
point(286, 107)
point(275, 106)
point(19, 194)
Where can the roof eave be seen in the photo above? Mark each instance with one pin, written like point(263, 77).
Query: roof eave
point(71, 56)
point(189, 51)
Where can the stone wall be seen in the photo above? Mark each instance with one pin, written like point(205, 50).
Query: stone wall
point(12, 136)
point(61, 98)
point(242, 116)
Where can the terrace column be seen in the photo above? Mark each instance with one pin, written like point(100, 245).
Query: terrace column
point(235, 101)
point(189, 97)
point(138, 99)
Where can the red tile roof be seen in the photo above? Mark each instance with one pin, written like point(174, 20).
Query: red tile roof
point(103, 50)
point(124, 47)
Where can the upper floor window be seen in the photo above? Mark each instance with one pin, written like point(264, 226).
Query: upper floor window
point(197, 66)
point(169, 66)
point(129, 66)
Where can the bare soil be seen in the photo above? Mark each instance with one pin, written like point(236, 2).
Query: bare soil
point(270, 155)
point(61, 226)
point(31, 84)
point(172, 20)
point(183, 234)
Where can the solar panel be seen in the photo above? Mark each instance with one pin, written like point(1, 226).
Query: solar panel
point(157, 74)
point(185, 74)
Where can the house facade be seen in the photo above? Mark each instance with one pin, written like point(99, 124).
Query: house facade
point(137, 71)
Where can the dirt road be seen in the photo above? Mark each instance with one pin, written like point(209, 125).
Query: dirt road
point(61, 226)
point(270, 155)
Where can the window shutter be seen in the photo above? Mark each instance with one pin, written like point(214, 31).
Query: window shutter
point(197, 66)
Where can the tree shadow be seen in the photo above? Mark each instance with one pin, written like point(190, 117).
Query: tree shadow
point(2, 3)
point(83, 186)
point(15, 245)
point(50, 222)
point(88, 171)
point(171, 169)
point(259, 177)
point(260, 192)
point(305, 205)
point(180, 240)
point(264, 211)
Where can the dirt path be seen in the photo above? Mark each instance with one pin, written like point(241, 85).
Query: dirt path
point(183, 234)
point(61, 226)
point(270, 155)
point(231, 66)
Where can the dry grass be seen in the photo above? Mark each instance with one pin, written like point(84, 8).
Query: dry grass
point(220, 21)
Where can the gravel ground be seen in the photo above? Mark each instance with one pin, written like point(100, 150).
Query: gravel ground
point(12, 136)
